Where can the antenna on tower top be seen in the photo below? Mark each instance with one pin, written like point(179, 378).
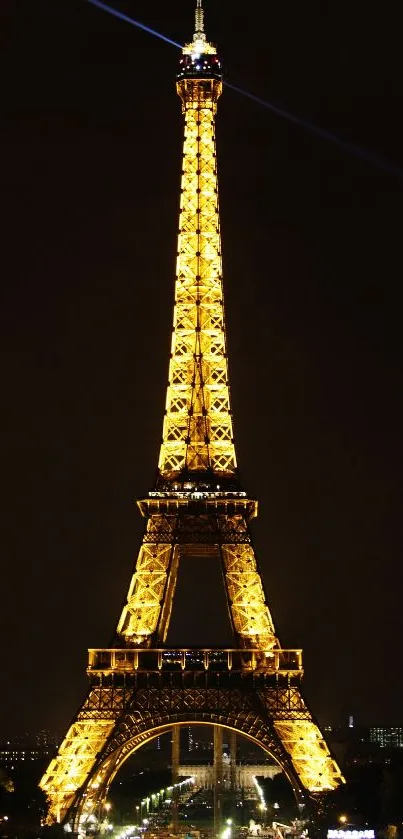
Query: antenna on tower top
point(199, 22)
point(199, 45)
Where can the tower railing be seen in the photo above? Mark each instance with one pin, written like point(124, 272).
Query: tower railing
point(134, 660)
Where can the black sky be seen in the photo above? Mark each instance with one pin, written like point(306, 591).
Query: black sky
point(91, 146)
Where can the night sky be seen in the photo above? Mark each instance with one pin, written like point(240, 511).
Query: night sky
point(91, 159)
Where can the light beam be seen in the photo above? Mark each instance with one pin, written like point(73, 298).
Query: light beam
point(316, 130)
point(357, 151)
point(131, 20)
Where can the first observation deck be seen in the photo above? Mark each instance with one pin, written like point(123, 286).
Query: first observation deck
point(180, 660)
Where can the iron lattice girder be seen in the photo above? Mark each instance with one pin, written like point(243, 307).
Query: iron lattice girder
point(197, 430)
point(198, 523)
point(277, 698)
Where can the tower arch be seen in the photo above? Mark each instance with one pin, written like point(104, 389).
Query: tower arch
point(95, 791)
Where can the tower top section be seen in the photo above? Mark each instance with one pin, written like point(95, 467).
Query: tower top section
point(200, 45)
point(200, 60)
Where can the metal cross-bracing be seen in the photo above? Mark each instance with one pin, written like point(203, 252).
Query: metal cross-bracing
point(139, 687)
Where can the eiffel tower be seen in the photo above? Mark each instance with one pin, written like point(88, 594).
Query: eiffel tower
point(140, 688)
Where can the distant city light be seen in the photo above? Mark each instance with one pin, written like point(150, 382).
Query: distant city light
point(351, 834)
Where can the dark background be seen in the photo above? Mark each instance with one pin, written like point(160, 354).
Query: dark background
point(91, 146)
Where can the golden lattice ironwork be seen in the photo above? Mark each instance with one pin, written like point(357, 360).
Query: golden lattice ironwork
point(76, 757)
point(139, 687)
point(190, 522)
point(197, 431)
point(146, 598)
point(316, 768)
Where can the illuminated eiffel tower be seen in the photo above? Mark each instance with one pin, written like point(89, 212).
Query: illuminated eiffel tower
point(140, 688)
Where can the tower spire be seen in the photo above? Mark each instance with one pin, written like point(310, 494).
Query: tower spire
point(199, 22)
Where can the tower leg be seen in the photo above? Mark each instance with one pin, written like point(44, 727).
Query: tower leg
point(175, 776)
point(217, 778)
